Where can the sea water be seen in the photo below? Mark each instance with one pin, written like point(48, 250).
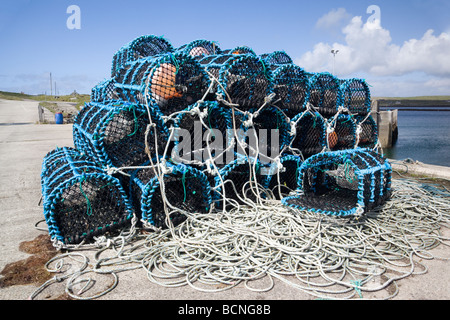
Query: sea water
point(422, 136)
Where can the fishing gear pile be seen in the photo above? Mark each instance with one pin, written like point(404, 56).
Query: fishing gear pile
point(197, 129)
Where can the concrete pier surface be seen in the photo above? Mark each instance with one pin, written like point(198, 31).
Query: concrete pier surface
point(24, 143)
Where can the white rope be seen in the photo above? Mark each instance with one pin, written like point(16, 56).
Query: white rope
point(320, 255)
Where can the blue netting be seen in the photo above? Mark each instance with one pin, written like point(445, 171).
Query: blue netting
point(277, 58)
point(200, 48)
point(114, 134)
point(283, 179)
point(239, 182)
point(202, 133)
point(80, 200)
point(341, 132)
point(309, 134)
point(343, 183)
point(356, 96)
point(367, 134)
point(104, 91)
point(170, 81)
point(266, 131)
point(239, 50)
point(243, 79)
point(292, 88)
point(186, 189)
point(141, 47)
point(325, 93)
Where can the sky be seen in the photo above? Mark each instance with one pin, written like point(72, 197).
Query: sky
point(401, 48)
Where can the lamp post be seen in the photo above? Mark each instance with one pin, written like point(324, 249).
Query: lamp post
point(334, 52)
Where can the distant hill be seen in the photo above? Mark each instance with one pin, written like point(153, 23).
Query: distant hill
point(79, 99)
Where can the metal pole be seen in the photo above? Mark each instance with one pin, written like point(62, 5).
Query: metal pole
point(334, 52)
point(51, 87)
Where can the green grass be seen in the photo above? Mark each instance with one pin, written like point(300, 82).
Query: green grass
point(80, 99)
point(14, 96)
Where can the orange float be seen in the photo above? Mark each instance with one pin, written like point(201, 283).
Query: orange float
point(163, 82)
point(332, 139)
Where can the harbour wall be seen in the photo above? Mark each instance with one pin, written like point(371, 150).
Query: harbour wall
point(387, 124)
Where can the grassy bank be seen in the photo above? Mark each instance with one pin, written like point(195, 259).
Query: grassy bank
point(79, 100)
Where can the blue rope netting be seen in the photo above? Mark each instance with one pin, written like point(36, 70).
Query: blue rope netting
point(80, 200)
point(342, 183)
point(309, 133)
point(276, 58)
point(202, 133)
point(239, 50)
point(200, 48)
point(282, 180)
point(238, 181)
point(171, 81)
point(242, 79)
point(141, 47)
point(268, 132)
point(114, 134)
point(366, 131)
point(104, 91)
point(356, 96)
point(292, 88)
point(341, 132)
point(196, 127)
point(185, 188)
point(325, 93)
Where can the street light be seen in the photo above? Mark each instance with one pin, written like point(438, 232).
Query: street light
point(334, 52)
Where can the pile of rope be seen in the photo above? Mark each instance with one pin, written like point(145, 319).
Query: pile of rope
point(252, 247)
point(215, 223)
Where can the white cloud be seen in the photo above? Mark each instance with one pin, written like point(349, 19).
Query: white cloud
point(368, 48)
point(333, 19)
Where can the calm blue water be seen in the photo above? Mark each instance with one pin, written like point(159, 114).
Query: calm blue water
point(423, 136)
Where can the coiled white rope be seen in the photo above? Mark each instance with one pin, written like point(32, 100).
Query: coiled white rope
point(324, 256)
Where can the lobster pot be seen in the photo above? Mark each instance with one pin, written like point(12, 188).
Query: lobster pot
point(186, 189)
point(310, 133)
point(243, 79)
point(266, 132)
point(276, 58)
point(367, 134)
point(341, 132)
point(281, 181)
point(343, 183)
point(240, 181)
point(81, 201)
point(291, 85)
point(356, 96)
point(114, 134)
point(325, 93)
point(141, 47)
point(203, 132)
point(170, 81)
point(200, 48)
point(104, 91)
point(239, 50)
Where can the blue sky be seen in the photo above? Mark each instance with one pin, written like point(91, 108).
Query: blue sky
point(404, 53)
